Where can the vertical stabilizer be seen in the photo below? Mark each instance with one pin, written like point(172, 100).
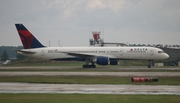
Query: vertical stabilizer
point(27, 39)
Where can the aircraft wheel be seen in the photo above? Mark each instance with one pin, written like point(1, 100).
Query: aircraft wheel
point(84, 66)
point(93, 66)
point(150, 63)
point(89, 66)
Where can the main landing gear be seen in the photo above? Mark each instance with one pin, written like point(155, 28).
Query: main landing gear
point(89, 66)
point(150, 63)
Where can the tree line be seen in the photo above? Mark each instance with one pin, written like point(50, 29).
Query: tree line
point(8, 52)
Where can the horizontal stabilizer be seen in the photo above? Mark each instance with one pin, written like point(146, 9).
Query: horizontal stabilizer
point(25, 52)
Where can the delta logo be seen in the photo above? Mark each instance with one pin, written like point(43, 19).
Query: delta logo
point(138, 50)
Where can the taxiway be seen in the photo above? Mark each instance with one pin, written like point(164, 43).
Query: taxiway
point(89, 73)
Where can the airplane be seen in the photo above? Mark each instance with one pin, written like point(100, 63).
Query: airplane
point(91, 55)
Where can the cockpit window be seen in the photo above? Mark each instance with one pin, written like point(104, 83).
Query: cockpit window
point(160, 51)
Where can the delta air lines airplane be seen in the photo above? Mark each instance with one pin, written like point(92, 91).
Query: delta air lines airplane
point(91, 55)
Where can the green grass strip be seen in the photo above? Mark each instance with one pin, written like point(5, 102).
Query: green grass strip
point(87, 98)
point(87, 80)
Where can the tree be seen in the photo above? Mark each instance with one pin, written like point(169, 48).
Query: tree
point(4, 56)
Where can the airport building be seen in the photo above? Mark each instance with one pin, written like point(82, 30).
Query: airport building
point(97, 41)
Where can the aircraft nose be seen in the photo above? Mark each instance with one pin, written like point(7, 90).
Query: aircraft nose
point(166, 56)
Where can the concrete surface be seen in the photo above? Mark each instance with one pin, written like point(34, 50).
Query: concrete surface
point(88, 89)
point(80, 68)
point(89, 73)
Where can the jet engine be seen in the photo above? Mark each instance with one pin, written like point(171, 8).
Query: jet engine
point(102, 60)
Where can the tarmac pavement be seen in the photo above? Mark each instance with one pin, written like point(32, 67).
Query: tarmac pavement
point(88, 89)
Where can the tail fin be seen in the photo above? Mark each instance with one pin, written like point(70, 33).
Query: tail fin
point(27, 39)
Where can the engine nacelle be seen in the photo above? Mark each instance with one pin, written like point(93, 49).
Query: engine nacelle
point(102, 60)
point(114, 62)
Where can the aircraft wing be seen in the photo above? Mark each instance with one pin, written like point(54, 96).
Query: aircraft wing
point(86, 55)
point(81, 55)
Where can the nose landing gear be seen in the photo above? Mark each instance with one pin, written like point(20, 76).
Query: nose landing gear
point(150, 63)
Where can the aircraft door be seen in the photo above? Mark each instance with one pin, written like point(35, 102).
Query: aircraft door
point(121, 52)
point(151, 52)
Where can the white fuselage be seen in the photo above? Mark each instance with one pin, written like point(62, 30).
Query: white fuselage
point(119, 53)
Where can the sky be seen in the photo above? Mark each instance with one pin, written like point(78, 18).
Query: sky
point(72, 21)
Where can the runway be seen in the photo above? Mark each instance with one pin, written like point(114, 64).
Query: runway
point(88, 89)
point(89, 73)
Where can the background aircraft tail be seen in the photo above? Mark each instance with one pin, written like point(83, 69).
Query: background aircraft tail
point(27, 39)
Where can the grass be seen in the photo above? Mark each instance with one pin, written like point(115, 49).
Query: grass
point(87, 98)
point(87, 80)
